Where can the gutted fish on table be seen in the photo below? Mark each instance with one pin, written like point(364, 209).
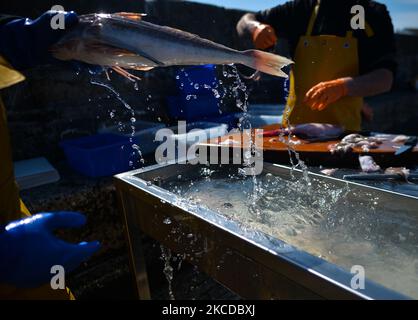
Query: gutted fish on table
point(403, 172)
point(400, 139)
point(355, 140)
point(315, 130)
point(124, 41)
point(368, 164)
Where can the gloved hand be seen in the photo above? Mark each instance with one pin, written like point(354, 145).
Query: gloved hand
point(25, 43)
point(28, 249)
point(264, 37)
point(326, 93)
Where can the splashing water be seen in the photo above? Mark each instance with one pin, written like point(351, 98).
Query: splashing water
point(136, 149)
point(168, 269)
point(341, 225)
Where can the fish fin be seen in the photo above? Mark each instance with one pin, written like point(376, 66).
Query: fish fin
point(125, 73)
point(130, 15)
point(107, 75)
point(148, 57)
point(68, 49)
point(100, 47)
point(266, 62)
point(142, 68)
point(124, 52)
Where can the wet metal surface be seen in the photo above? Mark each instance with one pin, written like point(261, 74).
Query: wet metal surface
point(252, 263)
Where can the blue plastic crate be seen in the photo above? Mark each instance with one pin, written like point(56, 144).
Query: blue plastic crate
point(100, 155)
point(143, 136)
point(231, 119)
point(192, 80)
point(192, 108)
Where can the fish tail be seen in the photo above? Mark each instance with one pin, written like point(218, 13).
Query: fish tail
point(266, 62)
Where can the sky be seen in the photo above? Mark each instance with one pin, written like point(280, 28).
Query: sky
point(404, 13)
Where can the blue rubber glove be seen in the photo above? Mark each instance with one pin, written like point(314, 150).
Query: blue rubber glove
point(25, 43)
point(28, 249)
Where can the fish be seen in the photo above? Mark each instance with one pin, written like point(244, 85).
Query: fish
point(329, 172)
point(368, 164)
point(402, 172)
point(316, 130)
point(308, 130)
point(355, 140)
point(400, 139)
point(124, 41)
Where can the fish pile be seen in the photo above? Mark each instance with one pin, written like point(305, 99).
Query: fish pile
point(124, 41)
point(355, 140)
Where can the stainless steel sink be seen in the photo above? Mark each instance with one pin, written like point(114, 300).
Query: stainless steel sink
point(250, 262)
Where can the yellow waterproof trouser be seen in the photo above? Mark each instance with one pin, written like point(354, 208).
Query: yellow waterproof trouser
point(11, 207)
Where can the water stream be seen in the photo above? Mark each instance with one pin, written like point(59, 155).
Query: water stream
point(136, 151)
point(168, 269)
point(345, 227)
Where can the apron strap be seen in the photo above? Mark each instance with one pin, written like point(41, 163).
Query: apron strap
point(369, 30)
point(313, 19)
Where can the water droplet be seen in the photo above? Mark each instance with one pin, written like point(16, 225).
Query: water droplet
point(216, 93)
point(167, 221)
point(133, 120)
point(196, 86)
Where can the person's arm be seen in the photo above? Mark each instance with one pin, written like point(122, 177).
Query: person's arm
point(263, 35)
point(5, 18)
point(247, 24)
point(370, 84)
point(264, 26)
point(25, 43)
point(377, 65)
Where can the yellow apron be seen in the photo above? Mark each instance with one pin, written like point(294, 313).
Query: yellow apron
point(11, 207)
point(318, 59)
point(9, 193)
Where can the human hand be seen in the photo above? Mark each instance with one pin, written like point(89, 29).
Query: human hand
point(264, 36)
point(28, 248)
point(323, 94)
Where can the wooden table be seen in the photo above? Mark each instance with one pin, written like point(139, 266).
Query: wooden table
point(318, 153)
